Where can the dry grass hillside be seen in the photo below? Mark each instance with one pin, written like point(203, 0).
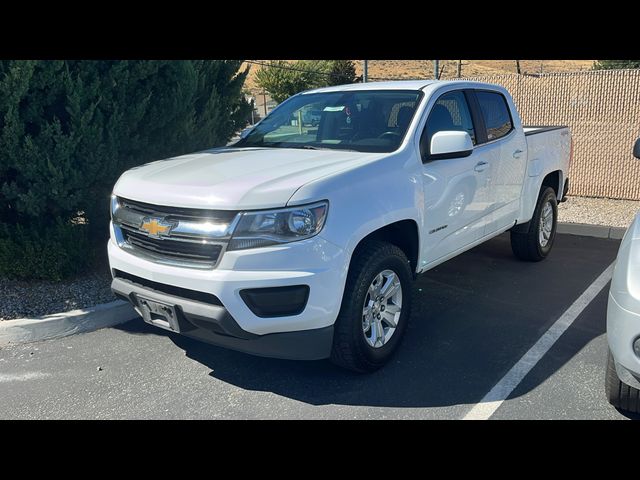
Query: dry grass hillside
point(406, 69)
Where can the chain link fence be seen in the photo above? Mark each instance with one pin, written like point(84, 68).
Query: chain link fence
point(602, 108)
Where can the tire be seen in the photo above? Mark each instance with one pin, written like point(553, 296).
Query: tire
point(351, 343)
point(619, 394)
point(526, 242)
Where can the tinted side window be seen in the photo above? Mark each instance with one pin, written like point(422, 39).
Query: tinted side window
point(450, 112)
point(495, 112)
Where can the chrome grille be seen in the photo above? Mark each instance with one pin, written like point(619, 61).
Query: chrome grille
point(197, 239)
point(178, 213)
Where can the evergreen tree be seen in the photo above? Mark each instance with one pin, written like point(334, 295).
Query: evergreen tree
point(342, 72)
point(68, 129)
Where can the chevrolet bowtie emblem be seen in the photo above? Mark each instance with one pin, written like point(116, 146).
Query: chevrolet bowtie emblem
point(156, 227)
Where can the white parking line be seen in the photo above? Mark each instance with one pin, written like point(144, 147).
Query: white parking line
point(8, 377)
point(498, 394)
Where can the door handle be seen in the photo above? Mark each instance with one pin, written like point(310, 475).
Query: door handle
point(480, 166)
point(517, 153)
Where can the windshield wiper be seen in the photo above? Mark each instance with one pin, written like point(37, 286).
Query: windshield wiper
point(302, 147)
point(314, 147)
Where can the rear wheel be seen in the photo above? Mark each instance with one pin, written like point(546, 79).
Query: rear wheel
point(375, 308)
point(533, 240)
point(619, 394)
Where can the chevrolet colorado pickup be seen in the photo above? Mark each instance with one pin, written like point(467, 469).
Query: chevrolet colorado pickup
point(301, 240)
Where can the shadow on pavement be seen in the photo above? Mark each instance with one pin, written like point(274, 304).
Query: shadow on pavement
point(473, 318)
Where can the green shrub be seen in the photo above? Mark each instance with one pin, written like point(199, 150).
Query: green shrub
point(283, 79)
point(68, 129)
point(615, 64)
point(58, 252)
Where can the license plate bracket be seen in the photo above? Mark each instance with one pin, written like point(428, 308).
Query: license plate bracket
point(159, 314)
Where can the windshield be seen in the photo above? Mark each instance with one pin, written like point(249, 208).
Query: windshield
point(365, 121)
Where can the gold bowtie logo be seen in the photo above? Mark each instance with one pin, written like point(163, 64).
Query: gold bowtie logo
point(156, 227)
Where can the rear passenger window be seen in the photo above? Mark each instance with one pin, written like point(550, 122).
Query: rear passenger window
point(495, 112)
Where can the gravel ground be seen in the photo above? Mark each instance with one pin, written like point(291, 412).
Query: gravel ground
point(31, 299)
point(598, 211)
point(22, 299)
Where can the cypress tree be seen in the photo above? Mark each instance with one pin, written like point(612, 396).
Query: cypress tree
point(68, 129)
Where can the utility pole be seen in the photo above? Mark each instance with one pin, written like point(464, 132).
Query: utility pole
point(459, 72)
point(264, 100)
point(518, 67)
point(365, 70)
point(436, 65)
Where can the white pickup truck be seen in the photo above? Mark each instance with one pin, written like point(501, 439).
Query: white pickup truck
point(301, 240)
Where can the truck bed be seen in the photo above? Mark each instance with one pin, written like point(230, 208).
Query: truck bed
point(548, 150)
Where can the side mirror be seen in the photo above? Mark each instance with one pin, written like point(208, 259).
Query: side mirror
point(450, 144)
point(636, 149)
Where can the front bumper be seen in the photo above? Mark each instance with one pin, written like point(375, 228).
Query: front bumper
point(316, 263)
point(623, 328)
point(213, 324)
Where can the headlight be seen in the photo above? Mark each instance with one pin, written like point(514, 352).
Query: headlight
point(272, 227)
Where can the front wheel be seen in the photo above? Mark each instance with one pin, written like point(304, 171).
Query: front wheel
point(533, 240)
point(619, 394)
point(375, 308)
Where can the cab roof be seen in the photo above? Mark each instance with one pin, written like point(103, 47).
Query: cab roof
point(394, 85)
point(398, 85)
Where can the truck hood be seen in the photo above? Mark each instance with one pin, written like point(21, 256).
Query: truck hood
point(234, 179)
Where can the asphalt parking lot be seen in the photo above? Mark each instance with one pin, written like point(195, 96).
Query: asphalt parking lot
point(474, 318)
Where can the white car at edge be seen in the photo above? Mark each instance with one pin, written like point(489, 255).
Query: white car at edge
point(622, 382)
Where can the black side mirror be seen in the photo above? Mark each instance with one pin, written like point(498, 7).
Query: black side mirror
point(636, 149)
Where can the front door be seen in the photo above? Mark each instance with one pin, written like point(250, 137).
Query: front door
point(456, 189)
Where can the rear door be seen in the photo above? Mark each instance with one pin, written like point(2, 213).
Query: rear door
point(504, 147)
point(455, 189)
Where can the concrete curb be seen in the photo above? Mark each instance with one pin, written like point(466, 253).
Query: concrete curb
point(26, 330)
point(586, 230)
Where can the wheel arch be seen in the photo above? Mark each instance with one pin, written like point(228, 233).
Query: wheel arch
point(553, 180)
point(403, 233)
point(531, 193)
